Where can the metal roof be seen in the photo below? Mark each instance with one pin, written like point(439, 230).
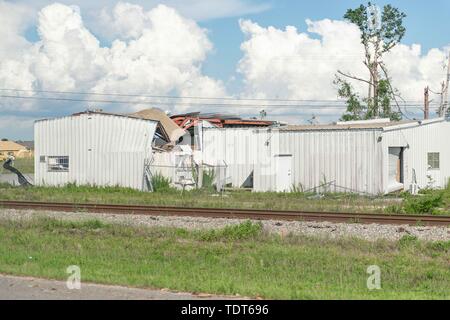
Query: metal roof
point(341, 126)
point(99, 113)
point(171, 129)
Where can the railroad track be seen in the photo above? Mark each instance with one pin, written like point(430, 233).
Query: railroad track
point(365, 218)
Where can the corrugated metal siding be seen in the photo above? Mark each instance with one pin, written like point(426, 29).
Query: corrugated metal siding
point(431, 137)
point(103, 150)
point(355, 159)
point(352, 159)
point(234, 147)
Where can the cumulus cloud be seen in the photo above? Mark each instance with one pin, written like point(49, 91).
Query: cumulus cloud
point(162, 53)
point(291, 64)
point(15, 19)
point(156, 50)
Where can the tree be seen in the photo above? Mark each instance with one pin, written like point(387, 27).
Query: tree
point(380, 32)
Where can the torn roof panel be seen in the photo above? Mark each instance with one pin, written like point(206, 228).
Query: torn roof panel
point(172, 130)
point(220, 120)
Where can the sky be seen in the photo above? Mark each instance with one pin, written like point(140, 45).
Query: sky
point(223, 49)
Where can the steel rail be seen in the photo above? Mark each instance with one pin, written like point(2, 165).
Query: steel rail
point(365, 218)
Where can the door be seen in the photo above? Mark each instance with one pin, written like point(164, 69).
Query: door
point(395, 168)
point(284, 172)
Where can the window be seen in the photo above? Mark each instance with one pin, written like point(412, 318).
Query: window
point(42, 159)
point(58, 164)
point(433, 160)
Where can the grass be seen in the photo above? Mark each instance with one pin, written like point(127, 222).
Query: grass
point(429, 202)
point(236, 260)
point(24, 165)
point(197, 198)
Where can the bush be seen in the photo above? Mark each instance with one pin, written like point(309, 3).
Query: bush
point(160, 183)
point(395, 209)
point(208, 179)
point(426, 203)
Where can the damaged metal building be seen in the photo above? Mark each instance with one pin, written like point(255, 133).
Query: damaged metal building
point(94, 148)
point(367, 157)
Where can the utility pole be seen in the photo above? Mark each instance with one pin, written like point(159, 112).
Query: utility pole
point(426, 112)
point(447, 86)
point(444, 93)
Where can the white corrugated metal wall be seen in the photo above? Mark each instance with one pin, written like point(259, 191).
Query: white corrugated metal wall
point(103, 150)
point(351, 158)
point(357, 160)
point(418, 141)
point(233, 147)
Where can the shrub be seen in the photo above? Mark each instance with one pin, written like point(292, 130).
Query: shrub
point(208, 179)
point(160, 183)
point(297, 188)
point(397, 209)
point(426, 203)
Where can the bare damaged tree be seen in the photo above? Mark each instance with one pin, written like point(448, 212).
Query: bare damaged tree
point(380, 32)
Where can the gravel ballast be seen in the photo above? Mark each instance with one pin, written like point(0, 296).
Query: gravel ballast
point(370, 232)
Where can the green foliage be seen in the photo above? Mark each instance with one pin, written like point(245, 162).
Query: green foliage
point(408, 240)
point(390, 32)
point(258, 265)
point(355, 110)
point(242, 231)
point(54, 224)
point(378, 38)
point(424, 204)
point(299, 199)
point(297, 188)
point(385, 97)
point(24, 165)
point(208, 179)
point(364, 108)
point(443, 246)
point(161, 183)
point(394, 209)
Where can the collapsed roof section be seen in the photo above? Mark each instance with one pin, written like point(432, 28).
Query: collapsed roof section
point(219, 120)
point(169, 130)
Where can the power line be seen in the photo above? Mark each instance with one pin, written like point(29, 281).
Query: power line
point(184, 97)
point(414, 106)
point(168, 97)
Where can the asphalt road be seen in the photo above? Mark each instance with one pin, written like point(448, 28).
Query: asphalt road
point(26, 288)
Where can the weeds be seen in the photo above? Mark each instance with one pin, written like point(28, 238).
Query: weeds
point(242, 231)
point(395, 209)
point(239, 259)
point(408, 240)
point(208, 180)
point(426, 203)
point(161, 183)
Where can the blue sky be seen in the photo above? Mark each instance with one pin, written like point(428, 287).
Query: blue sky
point(427, 23)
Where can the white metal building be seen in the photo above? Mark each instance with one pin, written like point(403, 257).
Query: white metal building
point(93, 148)
point(373, 157)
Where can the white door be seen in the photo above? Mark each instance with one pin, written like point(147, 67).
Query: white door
point(395, 169)
point(284, 172)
